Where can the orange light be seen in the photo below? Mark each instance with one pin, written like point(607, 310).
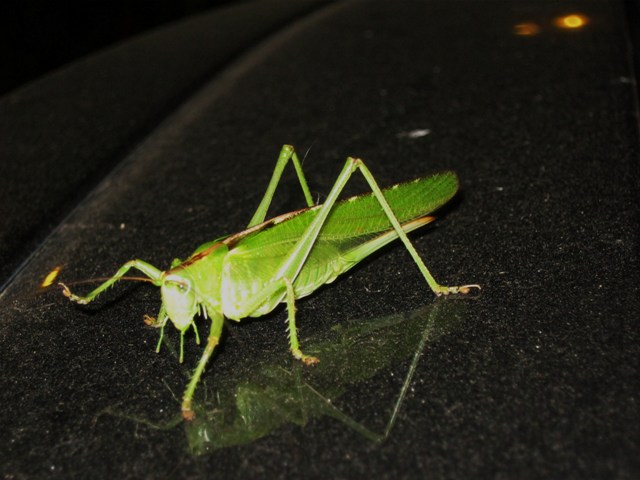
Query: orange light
point(51, 277)
point(526, 29)
point(572, 21)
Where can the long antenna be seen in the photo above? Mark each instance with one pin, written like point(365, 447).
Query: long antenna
point(103, 279)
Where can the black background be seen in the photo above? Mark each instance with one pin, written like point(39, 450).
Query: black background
point(156, 145)
point(38, 36)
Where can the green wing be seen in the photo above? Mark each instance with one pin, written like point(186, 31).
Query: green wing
point(354, 229)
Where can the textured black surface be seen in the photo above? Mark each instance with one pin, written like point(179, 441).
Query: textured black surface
point(537, 378)
point(38, 36)
point(61, 134)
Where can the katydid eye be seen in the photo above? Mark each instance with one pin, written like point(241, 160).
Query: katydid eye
point(182, 284)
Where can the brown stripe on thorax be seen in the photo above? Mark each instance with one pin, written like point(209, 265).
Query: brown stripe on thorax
point(200, 255)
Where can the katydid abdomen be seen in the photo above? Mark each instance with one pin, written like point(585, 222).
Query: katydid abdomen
point(356, 228)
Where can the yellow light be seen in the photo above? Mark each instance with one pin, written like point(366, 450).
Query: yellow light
point(526, 29)
point(51, 277)
point(572, 21)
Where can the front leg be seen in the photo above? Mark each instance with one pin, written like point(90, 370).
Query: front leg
point(159, 322)
point(150, 271)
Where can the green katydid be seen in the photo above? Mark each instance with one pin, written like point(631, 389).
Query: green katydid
point(287, 257)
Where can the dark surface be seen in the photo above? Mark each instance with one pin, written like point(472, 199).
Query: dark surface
point(537, 378)
point(60, 135)
point(37, 36)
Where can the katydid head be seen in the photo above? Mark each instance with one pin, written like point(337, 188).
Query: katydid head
point(179, 298)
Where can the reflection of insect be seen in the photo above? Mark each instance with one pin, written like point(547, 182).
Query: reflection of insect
point(288, 257)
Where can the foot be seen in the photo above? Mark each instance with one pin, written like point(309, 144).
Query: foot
point(464, 289)
point(74, 298)
point(306, 359)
